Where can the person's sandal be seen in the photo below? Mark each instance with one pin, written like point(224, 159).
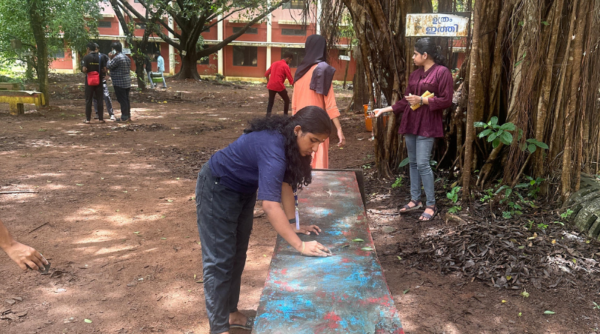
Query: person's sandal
point(425, 217)
point(408, 208)
point(101, 121)
point(248, 326)
point(86, 122)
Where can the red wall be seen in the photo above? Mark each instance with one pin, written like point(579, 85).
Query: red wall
point(276, 35)
point(212, 34)
point(65, 63)
point(261, 36)
point(340, 66)
point(114, 27)
point(245, 71)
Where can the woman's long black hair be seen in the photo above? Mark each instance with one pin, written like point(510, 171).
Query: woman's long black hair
point(311, 119)
point(427, 45)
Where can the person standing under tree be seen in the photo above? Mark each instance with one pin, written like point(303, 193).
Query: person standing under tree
point(160, 65)
point(276, 75)
point(273, 153)
point(423, 124)
point(95, 71)
point(120, 66)
point(313, 87)
point(107, 101)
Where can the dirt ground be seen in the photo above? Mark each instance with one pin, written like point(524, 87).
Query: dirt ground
point(113, 212)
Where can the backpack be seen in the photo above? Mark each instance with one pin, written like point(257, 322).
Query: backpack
point(93, 78)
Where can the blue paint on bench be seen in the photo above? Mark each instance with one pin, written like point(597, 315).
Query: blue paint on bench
point(344, 293)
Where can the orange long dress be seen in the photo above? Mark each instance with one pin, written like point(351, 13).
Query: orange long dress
point(303, 97)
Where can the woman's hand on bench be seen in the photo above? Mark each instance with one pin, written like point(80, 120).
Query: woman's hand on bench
point(313, 248)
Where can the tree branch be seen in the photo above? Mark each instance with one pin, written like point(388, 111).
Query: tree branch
point(217, 47)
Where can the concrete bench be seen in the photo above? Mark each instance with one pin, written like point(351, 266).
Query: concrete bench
point(343, 293)
point(17, 99)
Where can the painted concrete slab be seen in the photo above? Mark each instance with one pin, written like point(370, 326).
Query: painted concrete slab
point(344, 293)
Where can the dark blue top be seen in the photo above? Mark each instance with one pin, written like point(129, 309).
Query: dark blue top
point(254, 161)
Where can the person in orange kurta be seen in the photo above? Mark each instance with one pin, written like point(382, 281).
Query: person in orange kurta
point(313, 87)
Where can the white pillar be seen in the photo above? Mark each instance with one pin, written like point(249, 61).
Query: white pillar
point(318, 19)
point(171, 49)
point(220, 38)
point(269, 32)
point(75, 60)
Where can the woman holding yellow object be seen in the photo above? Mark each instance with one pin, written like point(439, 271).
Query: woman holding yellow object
point(422, 120)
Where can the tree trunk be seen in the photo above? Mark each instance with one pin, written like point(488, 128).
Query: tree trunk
point(189, 67)
point(36, 19)
point(474, 75)
point(544, 100)
point(361, 91)
point(140, 64)
point(567, 165)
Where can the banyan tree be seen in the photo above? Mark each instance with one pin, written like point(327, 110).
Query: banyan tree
point(532, 70)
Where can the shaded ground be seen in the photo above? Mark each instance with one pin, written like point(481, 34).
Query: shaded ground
point(114, 214)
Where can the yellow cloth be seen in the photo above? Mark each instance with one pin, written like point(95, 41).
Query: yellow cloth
point(426, 94)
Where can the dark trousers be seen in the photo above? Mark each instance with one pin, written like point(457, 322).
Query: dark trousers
point(284, 96)
point(91, 93)
point(107, 100)
point(123, 98)
point(225, 222)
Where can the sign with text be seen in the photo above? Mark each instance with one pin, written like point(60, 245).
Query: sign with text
point(442, 25)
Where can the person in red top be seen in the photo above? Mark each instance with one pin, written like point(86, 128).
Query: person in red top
point(278, 72)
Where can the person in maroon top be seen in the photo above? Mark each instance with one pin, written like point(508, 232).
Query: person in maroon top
point(278, 72)
point(421, 126)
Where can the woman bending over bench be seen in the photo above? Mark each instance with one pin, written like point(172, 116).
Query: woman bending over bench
point(273, 154)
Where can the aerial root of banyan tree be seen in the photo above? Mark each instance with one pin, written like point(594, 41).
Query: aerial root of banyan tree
point(533, 63)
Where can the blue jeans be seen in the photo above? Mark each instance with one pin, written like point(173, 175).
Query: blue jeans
point(419, 153)
point(225, 221)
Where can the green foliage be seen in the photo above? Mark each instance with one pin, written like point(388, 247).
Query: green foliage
point(533, 186)
point(542, 226)
point(453, 194)
point(489, 194)
point(455, 209)
point(397, 183)
point(495, 133)
point(404, 162)
point(68, 23)
point(532, 145)
point(529, 224)
point(566, 214)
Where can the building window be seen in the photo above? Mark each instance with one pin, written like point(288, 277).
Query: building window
point(298, 55)
point(245, 56)
point(140, 26)
point(59, 54)
point(104, 24)
point(293, 32)
point(252, 31)
point(206, 30)
point(103, 45)
point(294, 4)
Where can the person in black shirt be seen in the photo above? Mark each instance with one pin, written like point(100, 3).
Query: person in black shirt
point(107, 101)
point(93, 63)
